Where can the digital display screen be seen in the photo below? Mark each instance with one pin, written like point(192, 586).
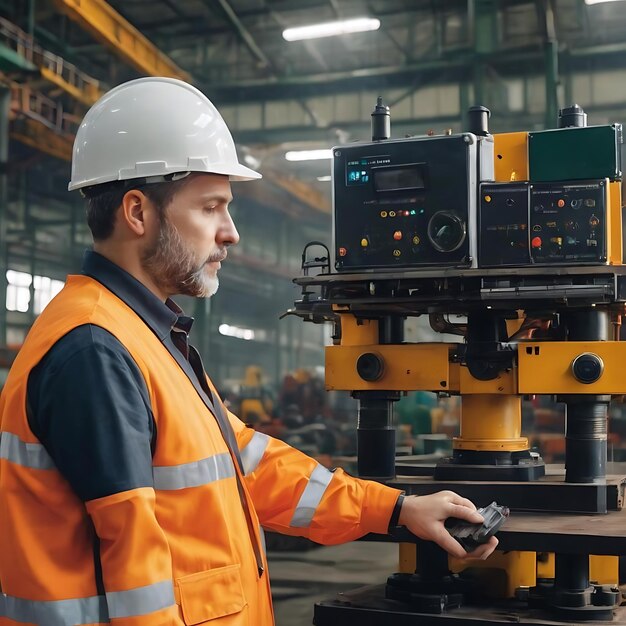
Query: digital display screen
point(396, 178)
point(358, 171)
point(358, 175)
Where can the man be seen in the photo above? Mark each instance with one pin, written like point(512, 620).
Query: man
point(128, 494)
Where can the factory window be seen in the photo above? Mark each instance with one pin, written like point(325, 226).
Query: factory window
point(45, 289)
point(18, 291)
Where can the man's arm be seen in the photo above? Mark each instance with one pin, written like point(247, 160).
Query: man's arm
point(295, 495)
point(89, 406)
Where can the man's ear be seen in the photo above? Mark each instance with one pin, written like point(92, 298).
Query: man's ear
point(133, 211)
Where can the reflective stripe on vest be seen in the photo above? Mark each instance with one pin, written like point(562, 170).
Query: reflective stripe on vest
point(195, 474)
point(92, 610)
point(263, 544)
point(252, 454)
point(141, 600)
point(311, 497)
point(32, 455)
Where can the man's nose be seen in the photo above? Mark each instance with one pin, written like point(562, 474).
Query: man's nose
point(228, 234)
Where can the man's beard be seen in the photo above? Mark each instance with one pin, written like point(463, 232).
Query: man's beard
point(175, 268)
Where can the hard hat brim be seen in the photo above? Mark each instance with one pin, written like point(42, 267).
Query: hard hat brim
point(235, 172)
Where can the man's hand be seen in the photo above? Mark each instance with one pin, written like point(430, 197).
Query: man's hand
point(424, 516)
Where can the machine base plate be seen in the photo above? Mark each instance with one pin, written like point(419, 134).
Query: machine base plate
point(368, 606)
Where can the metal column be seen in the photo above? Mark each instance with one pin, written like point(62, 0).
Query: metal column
point(5, 102)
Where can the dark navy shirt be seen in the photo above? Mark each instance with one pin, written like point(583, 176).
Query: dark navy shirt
point(87, 401)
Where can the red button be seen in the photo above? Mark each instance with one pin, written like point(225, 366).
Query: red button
point(397, 235)
point(342, 252)
point(561, 203)
point(536, 242)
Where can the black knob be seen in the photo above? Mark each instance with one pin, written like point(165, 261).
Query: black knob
point(587, 367)
point(446, 231)
point(381, 121)
point(478, 117)
point(572, 116)
point(370, 366)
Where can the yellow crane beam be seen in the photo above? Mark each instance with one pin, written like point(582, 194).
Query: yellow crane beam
point(41, 137)
point(88, 94)
point(301, 191)
point(114, 31)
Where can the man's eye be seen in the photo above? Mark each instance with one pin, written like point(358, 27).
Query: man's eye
point(210, 209)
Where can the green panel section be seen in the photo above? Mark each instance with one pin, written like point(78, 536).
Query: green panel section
point(11, 61)
point(584, 153)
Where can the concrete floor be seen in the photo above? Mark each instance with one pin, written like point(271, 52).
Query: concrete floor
point(299, 579)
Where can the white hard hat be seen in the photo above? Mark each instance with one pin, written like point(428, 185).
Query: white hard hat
point(149, 128)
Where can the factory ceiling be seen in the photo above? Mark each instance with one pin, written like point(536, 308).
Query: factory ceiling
point(235, 52)
point(235, 48)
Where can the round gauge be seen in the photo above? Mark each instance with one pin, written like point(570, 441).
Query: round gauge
point(446, 231)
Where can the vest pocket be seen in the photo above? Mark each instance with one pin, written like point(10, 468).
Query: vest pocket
point(205, 596)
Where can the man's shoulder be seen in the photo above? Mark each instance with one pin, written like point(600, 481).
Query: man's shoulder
point(86, 339)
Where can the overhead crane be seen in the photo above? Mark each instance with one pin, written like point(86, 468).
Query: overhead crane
point(107, 26)
point(40, 122)
point(18, 51)
point(43, 124)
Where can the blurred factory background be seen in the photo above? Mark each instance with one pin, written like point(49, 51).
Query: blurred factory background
point(284, 101)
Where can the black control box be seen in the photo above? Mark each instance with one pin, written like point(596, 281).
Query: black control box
point(409, 202)
point(564, 223)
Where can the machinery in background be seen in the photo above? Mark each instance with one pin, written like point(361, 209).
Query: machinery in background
point(254, 404)
point(522, 234)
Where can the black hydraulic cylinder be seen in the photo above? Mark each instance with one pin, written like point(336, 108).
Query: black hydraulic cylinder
point(432, 562)
point(391, 329)
point(587, 325)
point(376, 437)
point(486, 326)
point(571, 571)
point(587, 415)
point(586, 437)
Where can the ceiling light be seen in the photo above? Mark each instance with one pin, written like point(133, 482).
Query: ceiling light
point(329, 29)
point(599, 1)
point(308, 155)
point(324, 179)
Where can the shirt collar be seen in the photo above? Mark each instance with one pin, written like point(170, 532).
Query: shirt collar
point(160, 316)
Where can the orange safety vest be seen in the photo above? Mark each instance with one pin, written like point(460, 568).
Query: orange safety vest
point(181, 552)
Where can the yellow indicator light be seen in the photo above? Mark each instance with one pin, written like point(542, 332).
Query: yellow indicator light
point(364, 242)
point(383, 213)
point(487, 198)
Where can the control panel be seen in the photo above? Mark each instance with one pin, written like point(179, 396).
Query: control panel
point(543, 223)
point(408, 202)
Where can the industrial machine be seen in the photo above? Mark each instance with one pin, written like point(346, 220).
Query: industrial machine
point(521, 234)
